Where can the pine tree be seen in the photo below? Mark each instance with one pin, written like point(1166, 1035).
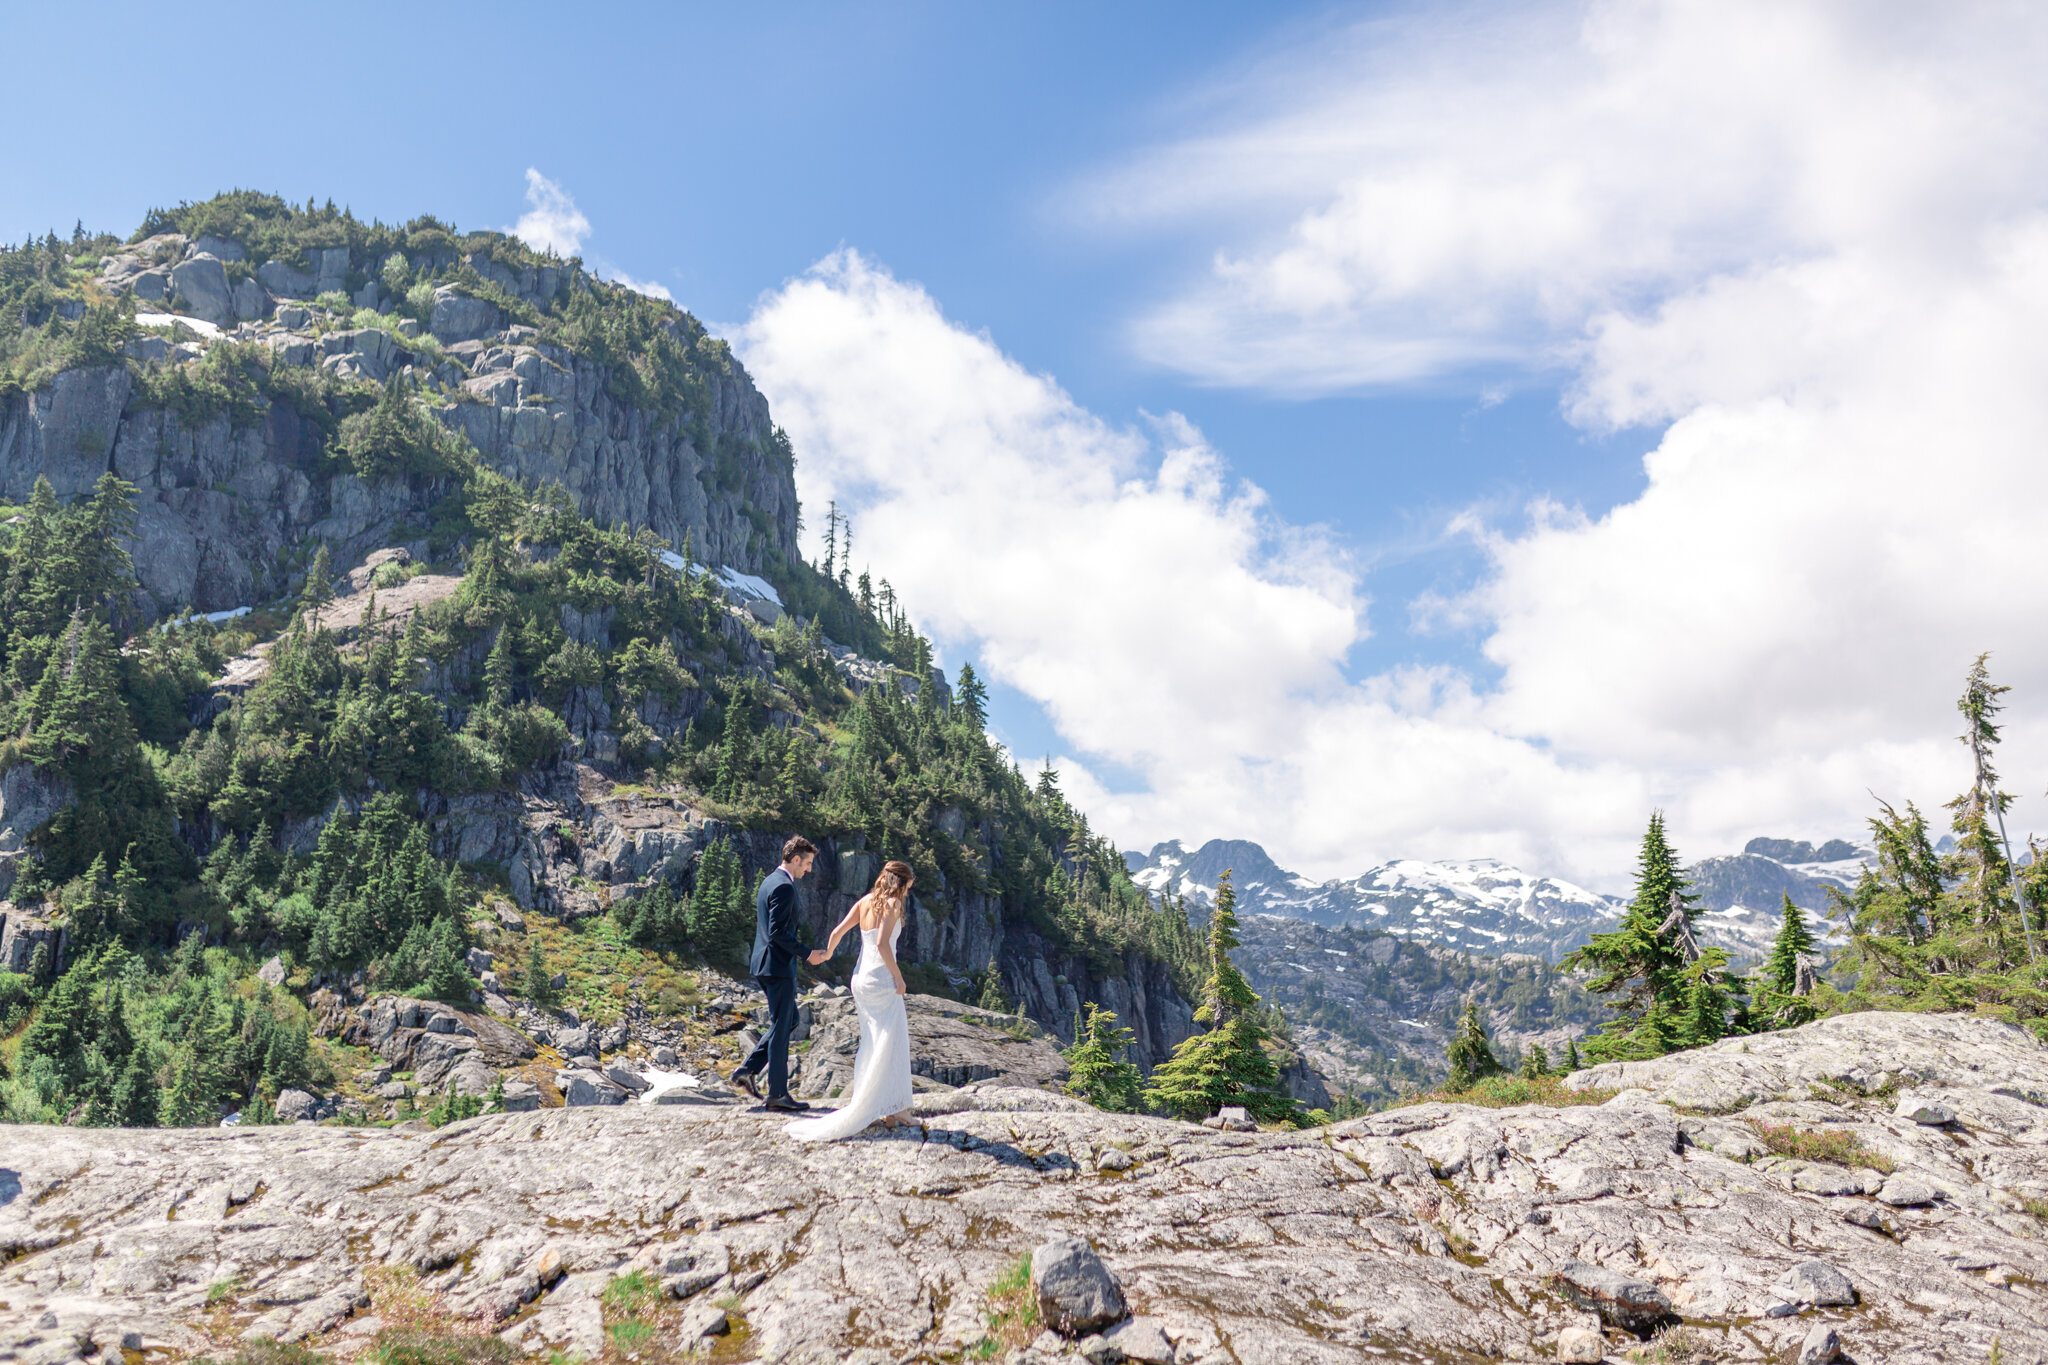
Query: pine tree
point(1470, 1057)
point(1535, 1062)
point(730, 783)
point(1227, 1064)
point(319, 588)
point(721, 918)
point(1980, 866)
point(972, 696)
point(1644, 961)
point(993, 998)
point(1571, 1056)
point(498, 668)
point(1795, 940)
point(539, 984)
point(1099, 1073)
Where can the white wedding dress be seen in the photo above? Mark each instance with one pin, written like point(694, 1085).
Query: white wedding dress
point(881, 1069)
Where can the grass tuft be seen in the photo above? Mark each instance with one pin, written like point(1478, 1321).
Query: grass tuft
point(1013, 1320)
point(1501, 1092)
point(1805, 1144)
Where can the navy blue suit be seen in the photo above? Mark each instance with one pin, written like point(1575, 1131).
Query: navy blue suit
point(777, 950)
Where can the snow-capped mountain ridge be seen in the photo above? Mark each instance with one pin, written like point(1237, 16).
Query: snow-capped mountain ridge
point(1483, 905)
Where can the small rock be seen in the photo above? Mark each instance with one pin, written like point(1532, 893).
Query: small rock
point(558, 981)
point(665, 1058)
point(626, 1076)
point(1925, 1112)
point(293, 1105)
point(272, 972)
point(1077, 1294)
point(692, 1282)
point(509, 918)
point(1817, 1283)
point(374, 1077)
point(1232, 1118)
point(1140, 1339)
point(1581, 1344)
point(392, 1090)
point(572, 1042)
point(1877, 1220)
point(1823, 1346)
point(585, 1086)
point(1630, 1304)
point(1115, 1159)
point(1824, 1179)
point(703, 1322)
point(548, 1266)
point(521, 1097)
point(478, 960)
point(1907, 1192)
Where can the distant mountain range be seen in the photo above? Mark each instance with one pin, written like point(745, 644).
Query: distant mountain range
point(1480, 905)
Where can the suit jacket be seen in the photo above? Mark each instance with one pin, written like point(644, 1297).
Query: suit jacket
point(776, 946)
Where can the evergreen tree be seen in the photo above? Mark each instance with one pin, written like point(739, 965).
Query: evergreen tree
point(1471, 1059)
point(1645, 962)
point(721, 915)
point(972, 696)
point(1571, 1056)
point(538, 982)
point(319, 588)
point(1227, 1064)
point(1099, 1073)
point(731, 781)
point(1535, 1062)
point(1778, 997)
point(1980, 868)
point(993, 998)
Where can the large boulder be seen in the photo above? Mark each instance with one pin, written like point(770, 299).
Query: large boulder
point(204, 284)
point(1076, 1292)
point(1621, 1300)
point(293, 1105)
point(251, 303)
point(458, 317)
point(284, 282)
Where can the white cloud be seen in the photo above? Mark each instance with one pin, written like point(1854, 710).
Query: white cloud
point(552, 222)
point(1811, 237)
point(647, 287)
point(1155, 608)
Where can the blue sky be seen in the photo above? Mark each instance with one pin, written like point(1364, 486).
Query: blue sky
point(1154, 206)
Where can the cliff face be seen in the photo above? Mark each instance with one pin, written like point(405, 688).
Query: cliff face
point(1431, 1233)
point(231, 501)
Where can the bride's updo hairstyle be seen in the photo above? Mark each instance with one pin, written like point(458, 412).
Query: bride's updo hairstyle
point(895, 881)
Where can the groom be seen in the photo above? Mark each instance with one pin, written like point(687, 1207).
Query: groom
point(776, 949)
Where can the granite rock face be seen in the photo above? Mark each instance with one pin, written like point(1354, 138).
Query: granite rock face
point(1431, 1233)
point(226, 504)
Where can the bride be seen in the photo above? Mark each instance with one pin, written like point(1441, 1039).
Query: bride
point(881, 1069)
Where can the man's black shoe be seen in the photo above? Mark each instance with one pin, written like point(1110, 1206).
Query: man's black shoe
point(744, 1079)
point(783, 1104)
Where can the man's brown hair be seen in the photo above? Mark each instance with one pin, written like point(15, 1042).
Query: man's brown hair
point(797, 847)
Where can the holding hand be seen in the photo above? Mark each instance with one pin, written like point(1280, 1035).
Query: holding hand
point(818, 955)
point(901, 989)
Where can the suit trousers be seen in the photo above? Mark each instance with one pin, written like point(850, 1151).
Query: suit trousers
point(773, 1049)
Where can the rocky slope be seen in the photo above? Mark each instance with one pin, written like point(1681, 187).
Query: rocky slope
point(1375, 1014)
point(233, 496)
point(1432, 1233)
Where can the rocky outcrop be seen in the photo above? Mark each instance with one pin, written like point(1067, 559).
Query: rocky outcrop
point(951, 1043)
point(29, 797)
point(1430, 1233)
point(229, 507)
